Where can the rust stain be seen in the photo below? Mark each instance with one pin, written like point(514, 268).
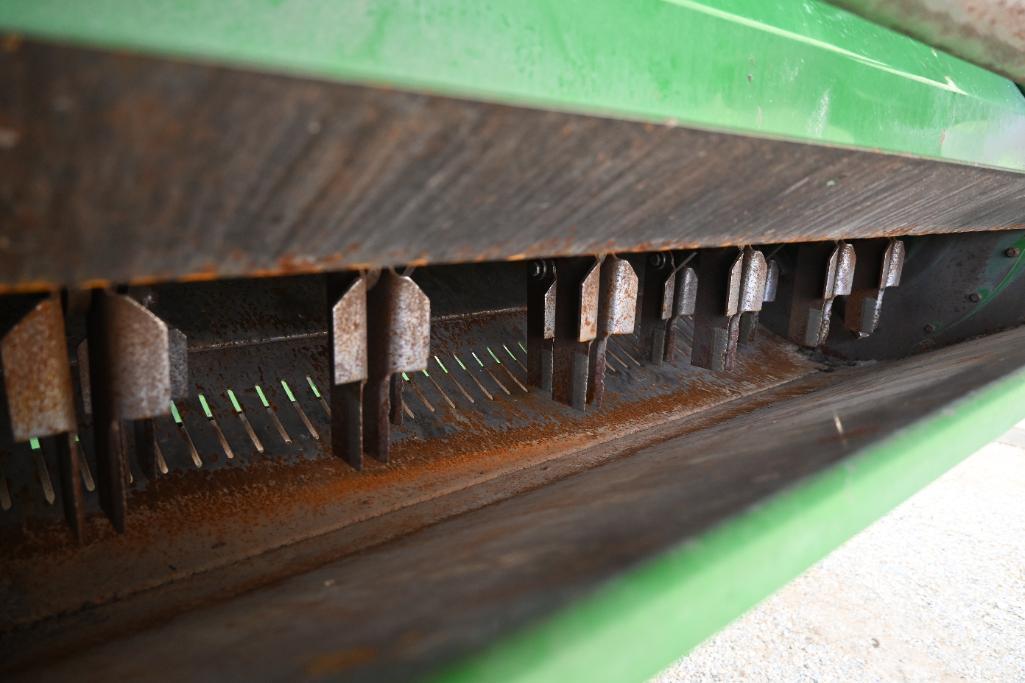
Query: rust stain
point(332, 663)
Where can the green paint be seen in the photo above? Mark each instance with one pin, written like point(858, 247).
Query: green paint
point(637, 624)
point(206, 408)
point(801, 70)
point(288, 391)
point(474, 354)
point(426, 374)
point(263, 399)
point(460, 362)
point(508, 351)
point(405, 377)
point(33, 443)
point(234, 401)
point(442, 365)
point(522, 347)
point(316, 391)
point(493, 355)
point(175, 415)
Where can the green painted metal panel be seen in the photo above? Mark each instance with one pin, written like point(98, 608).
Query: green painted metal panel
point(800, 70)
point(668, 606)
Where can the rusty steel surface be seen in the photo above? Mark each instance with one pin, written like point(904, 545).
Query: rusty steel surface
point(259, 501)
point(589, 311)
point(398, 341)
point(137, 359)
point(374, 615)
point(990, 33)
point(575, 316)
point(37, 374)
point(617, 312)
point(347, 186)
point(349, 334)
point(618, 305)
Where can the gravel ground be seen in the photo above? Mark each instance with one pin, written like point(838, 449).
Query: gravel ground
point(935, 591)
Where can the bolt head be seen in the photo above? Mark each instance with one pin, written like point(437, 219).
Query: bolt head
point(657, 260)
point(537, 269)
point(1012, 252)
point(974, 297)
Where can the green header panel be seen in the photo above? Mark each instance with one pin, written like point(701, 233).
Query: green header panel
point(800, 70)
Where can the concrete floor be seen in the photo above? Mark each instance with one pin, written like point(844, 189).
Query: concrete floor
point(935, 591)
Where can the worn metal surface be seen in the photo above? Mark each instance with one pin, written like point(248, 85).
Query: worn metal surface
point(329, 188)
point(262, 500)
point(990, 33)
point(803, 71)
point(749, 319)
point(37, 374)
point(685, 294)
point(348, 333)
point(130, 382)
point(823, 272)
point(617, 312)
point(39, 396)
point(398, 341)
point(778, 502)
point(347, 351)
point(733, 284)
point(657, 278)
point(541, 287)
point(576, 314)
point(137, 358)
point(880, 265)
point(951, 289)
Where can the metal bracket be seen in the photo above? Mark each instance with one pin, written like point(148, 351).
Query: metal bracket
point(824, 272)
point(617, 310)
point(882, 262)
point(541, 288)
point(137, 366)
point(733, 282)
point(398, 340)
point(40, 398)
point(347, 350)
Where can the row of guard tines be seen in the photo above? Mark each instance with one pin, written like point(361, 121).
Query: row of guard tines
point(134, 364)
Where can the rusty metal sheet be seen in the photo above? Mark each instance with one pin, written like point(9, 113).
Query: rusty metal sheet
point(571, 356)
point(37, 374)
point(589, 289)
point(618, 308)
point(617, 312)
point(408, 324)
point(349, 334)
point(398, 340)
point(137, 358)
